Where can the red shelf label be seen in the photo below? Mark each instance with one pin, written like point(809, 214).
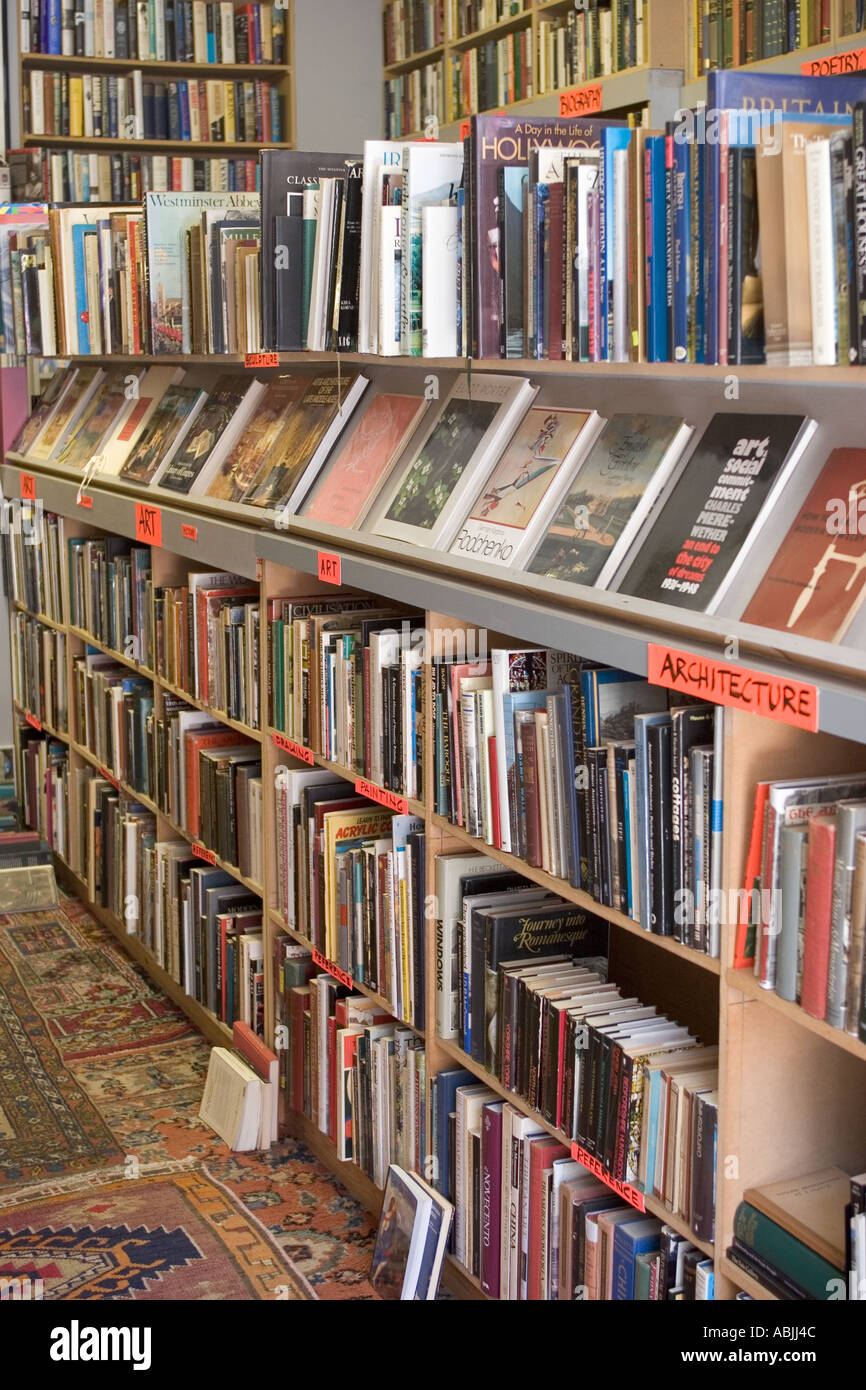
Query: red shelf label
point(297, 750)
point(262, 359)
point(109, 777)
point(391, 800)
point(788, 701)
point(84, 501)
point(330, 568)
point(580, 101)
point(260, 568)
point(148, 524)
point(189, 533)
point(28, 487)
point(202, 852)
point(852, 61)
point(632, 1195)
point(332, 969)
point(33, 721)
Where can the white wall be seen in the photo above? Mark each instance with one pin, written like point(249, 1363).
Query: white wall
point(338, 74)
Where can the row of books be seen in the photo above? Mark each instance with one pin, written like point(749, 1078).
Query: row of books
point(802, 923)
point(532, 1223)
point(346, 681)
point(634, 504)
point(111, 708)
point(188, 31)
point(33, 559)
point(25, 290)
point(110, 594)
point(415, 101)
point(91, 106)
point(728, 36)
point(39, 670)
point(42, 779)
point(591, 42)
point(241, 1094)
point(498, 72)
point(351, 881)
point(412, 26)
point(71, 176)
point(358, 1075)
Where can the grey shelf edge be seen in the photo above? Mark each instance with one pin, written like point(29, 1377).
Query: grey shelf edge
point(225, 545)
point(658, 88)
point(599, 626)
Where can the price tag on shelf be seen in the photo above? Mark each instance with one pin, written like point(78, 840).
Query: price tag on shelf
point(189, 533)
point(297, 750)
point(330, 568)
point(28, 487)
point(580, 101)
point(82, 500)
point(332, 969)
point(33, 721)
point(202, 852)
point(835, 64)
point(632, 1195)
point(398, 804)
point(148, 524)
point(109, 777)
point(260, 568)
point(784, 699)
point(262, 359)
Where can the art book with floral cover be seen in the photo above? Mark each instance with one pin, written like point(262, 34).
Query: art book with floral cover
point(432, 487)
point(699, 536)
point(517, 500)
point(610, 496)
point(351, 479)
point(816, 581)
point(259, 440)
point(213, 435)
point(164, 433)
point(311, 431)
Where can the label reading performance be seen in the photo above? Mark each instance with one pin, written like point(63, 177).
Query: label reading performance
point(786, 700)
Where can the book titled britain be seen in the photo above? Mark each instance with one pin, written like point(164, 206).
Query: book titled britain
point(695, 543)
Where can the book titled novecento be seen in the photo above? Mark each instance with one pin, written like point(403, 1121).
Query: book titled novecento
point(693, 546)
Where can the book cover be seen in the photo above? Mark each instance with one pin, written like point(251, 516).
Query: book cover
point(164, 432)
point(210, 426)
point(699, 538)
point(303, 431)
point(610, 496)
point(259, 439)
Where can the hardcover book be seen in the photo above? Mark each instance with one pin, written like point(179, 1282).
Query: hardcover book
point(81, 449)
point(694, 544)
point(60, 386)
point(67, 413)
point(612, 493)
point(259, 439)
point(218, 423)
point(164, 433)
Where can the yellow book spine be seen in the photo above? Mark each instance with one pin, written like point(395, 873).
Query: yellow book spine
point(76, 106)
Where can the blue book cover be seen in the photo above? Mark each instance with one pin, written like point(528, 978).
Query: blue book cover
point(656, 306)
point(631, 1238)
point(541, 202)
point(682, 250)
point(612, 138)
point(183, 104)
point(447, 1083)
point(54, 37)
point(79, 232)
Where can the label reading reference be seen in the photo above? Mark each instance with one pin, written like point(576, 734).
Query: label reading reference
point(202, 852)
point(332, 969)
point(628, 1193)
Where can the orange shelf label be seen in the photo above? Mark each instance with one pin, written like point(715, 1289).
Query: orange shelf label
point(33, 721)
point(786, 700)
point(148, 524)
point(84, 501)
point(262, 359)
point(109, 777)
point(297, 750)
point(835, 64)
point(332, 969)
point(28, 487)
point(580, 101)
point(330, 568)
point(189, 533)
point(629, 1194)
point(202, 852)
point(391, 800)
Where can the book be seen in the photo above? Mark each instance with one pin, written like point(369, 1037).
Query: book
point(164, 433)
point(259, 439)
point(216, 427)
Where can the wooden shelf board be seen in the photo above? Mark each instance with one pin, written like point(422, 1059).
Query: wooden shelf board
point(195, 149)
point(415, 60)
point(576, 895)
point(747, 984)
point(745, 1281)
point(43, 727)
point(151, 67)
point(493, 31)
point(39, 617)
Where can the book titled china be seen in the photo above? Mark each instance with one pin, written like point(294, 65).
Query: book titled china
point(694, 544)
point(610, 497)
point(432, 487)
point(516, 502)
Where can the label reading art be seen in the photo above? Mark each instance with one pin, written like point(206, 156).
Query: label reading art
point(202, 852)
point(580, 101)
point(83, 500)
point(332, 969)
point(297, 750)
point(28, 487)
point(330, 568)
point(398, 804)
point(628, 1193)
point(781, 698)
point(148, 524)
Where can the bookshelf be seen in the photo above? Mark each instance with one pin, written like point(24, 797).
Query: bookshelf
point(278, 76)
point(782, 1073)
point(653, 81)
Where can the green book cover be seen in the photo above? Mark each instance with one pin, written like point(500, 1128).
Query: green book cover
point(815, 1275)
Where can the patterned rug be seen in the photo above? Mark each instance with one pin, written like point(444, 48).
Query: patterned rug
point(180, 1236)
point(121, 1070)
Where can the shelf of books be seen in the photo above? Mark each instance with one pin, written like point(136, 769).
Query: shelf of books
point(155, 97)
point(481, 727)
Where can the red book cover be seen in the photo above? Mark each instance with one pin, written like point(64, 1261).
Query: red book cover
point(344, 489)
point(195, 741)
point(819, 906)
point(542, 1153)
point(491, 1197)
point(297, 1002)
point(253, 1050)
point(816, 581)
point(744, 946)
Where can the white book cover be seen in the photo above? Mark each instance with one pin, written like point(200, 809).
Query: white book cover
point(389, 280)
point(438, 281)
point(822, 261)
point(318, 325)
point(146, 391)
point(430, 489)
point(432, 174)
point(380, 157)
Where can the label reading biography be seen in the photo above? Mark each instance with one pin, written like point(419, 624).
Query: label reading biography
point(580, 101)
